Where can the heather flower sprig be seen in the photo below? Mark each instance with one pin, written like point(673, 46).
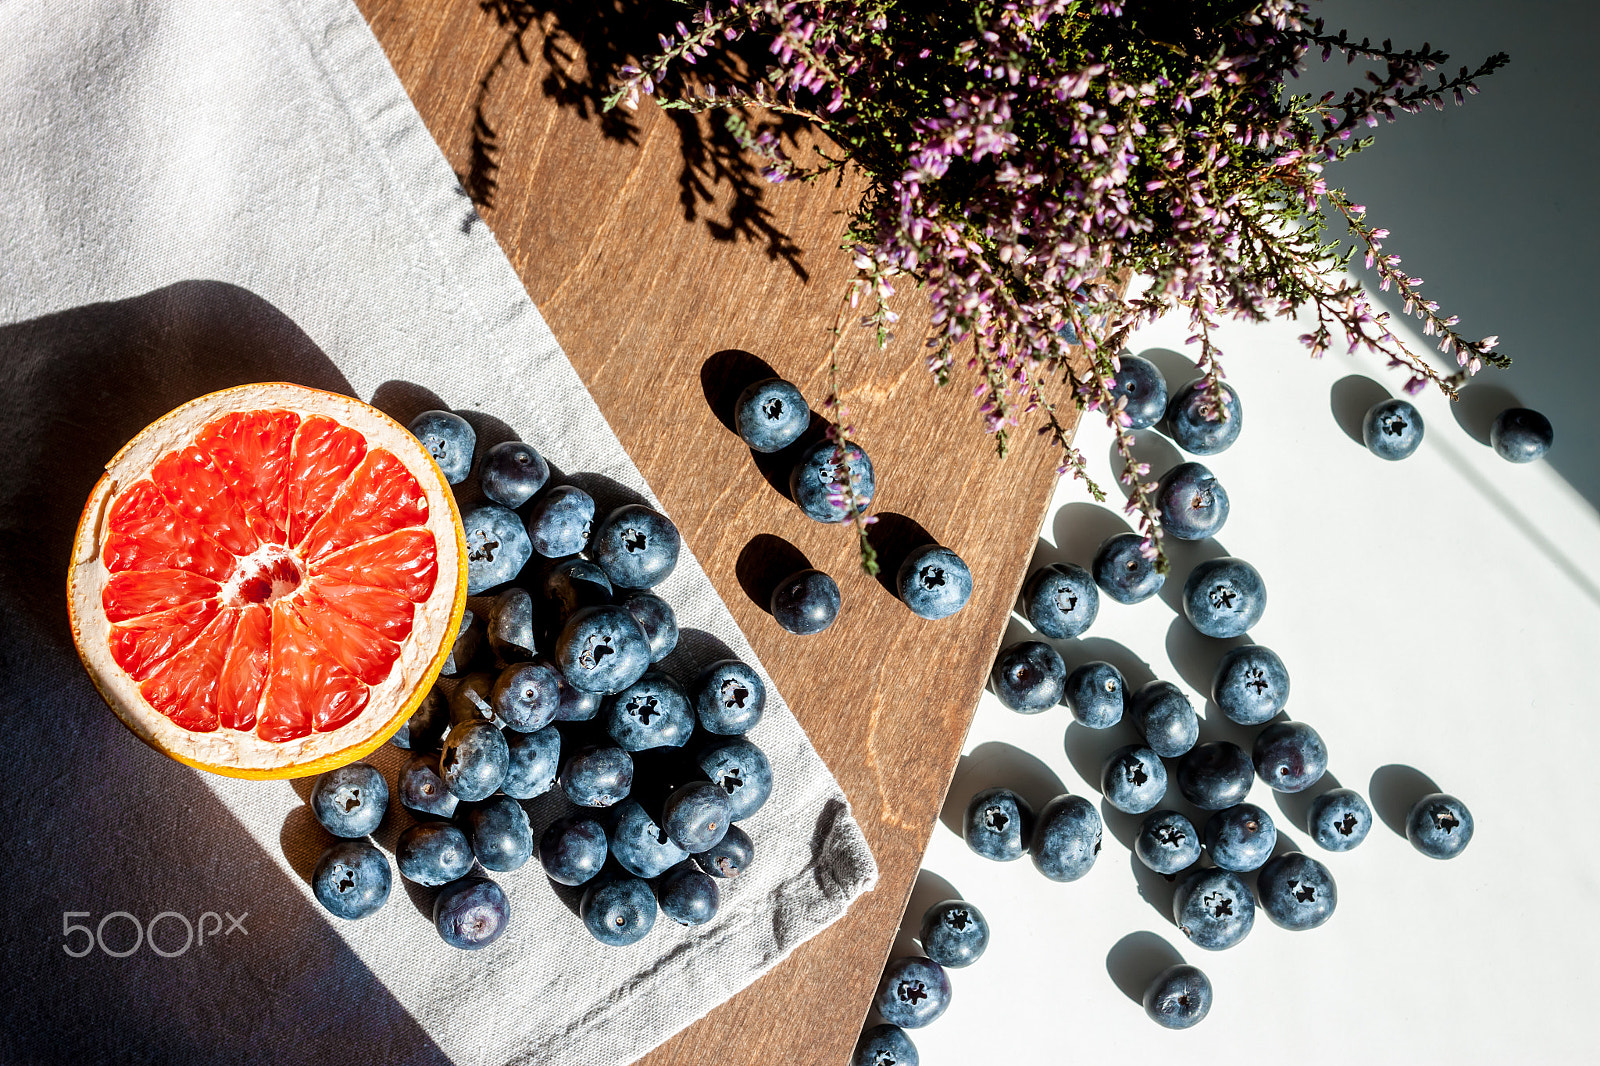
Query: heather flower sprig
point(843, 493)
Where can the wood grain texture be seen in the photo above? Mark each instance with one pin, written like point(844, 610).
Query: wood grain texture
point(667, 272)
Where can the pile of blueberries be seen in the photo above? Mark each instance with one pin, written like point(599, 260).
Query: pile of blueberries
point(556, 684)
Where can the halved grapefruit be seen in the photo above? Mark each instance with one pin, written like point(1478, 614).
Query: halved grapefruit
point(267, 580)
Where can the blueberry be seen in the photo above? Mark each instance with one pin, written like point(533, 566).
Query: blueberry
point(999, 824)
point(425, 729)
point(526, 695)
point(594, 776)
point(1520, 435)
point(501, 837)
point(533, 761)
point(475, 760)
point(817, 481)
point(576, 705)
point(806, 602)
point(573, 849)
point(462, 650)
point(885, 1045)
point(1167, 842)
point(1141, 382)
point(1339, 819)
point(1214, 908)
point(1195, 423)
point(639, 843)
point(655, 617)
point(350, 801)
point(351, 879)
point(689, 895)
point(1164, 717)
point(1134, 779)
point(1215, 775)
point(1297, 892)
point(729, 857)
point(954, 933)
point(1192, 502)
point(1439, 826)
point(572, 584)
point(602, 649)
point(512, 472)
point(1241, 837)
point(510, 626)
point(497, 546)
point(770, 415)
point(618, 911)
point(1392, 429)
point(1290, 756)
point(450, 439)
point(1029, 676)
point(635, 546)
point(1124, 572)
point(560, 521)
point(1251, 684)
point(729, 697)
point(471, 913)
point(433, 853)
point(1178, 997)
point(696, 816)
point(1066, 840)
point(473, 700)
point(422, 790)
point(653, 712)
point(1095, 693)
point(1061, 600)
point(914, 992)
point(741, 770)
point(1224, 597)
point(934, 582)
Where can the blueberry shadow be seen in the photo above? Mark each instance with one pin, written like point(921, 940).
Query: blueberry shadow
point(1135, 671)
point(726, 374)
point(1135, 960)
point(303, 841)
point(1478, 404)
point(994, 764)
point(1351, 397)
point(928, 889)
point(1088, 749)
point(776, 466)
point(763, 563)
point(696, 650)
point(1155, 889)
point(1183, 556)
point(1296, 806)
point(1177, 368)
point(608, 493)
point(895, 537)
point(1148, 447)
point(1394, 790)
point(1078, 529)
point(421, 897)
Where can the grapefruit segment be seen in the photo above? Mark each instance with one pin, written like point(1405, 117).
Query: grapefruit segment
point(146, 642)
point(244, 672)
point(351, 644)
point(305, 691)
point(402, 562)
point(252, 450)
point(136, 592)
point(145, 533)
point(379, 498)
point(197, 491)
point(323, 455)
point(388, 613)
point(184, 687)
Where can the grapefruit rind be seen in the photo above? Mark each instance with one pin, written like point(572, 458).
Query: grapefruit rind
point(236, 753)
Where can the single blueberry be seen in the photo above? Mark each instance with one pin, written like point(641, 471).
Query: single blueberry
point(1439, 826)
point(1167, 842)
point(594, 776)
point(425, 729)
point(450, 439)
point(501, 837)
point(998, 825)
point(1339, 819)
point(729, 697)
point(635, 546)
point(740, 769)
point(1192, 502)
point(1392, 429)
point(433, 853)
point(639, 843)
point(350, 801)
point(1215, 775)
point(1061, 600)
point(1224, 597)
point(576, 705)
point(729, 857)
point(1297, 891)
point(571, 584)
point(1214, 908)
point(1029, 676)
point(512, 472)
point(560, 521)
point(913, 993)
point(1520, 435)
point(533, 762)
point(1066, 840)
point(497, 546)
point(655, 617)
point(954, 933)
point(885, 1045)
point(473, 700)
point(1241, 837)
point(510, 626)
point(351, 879)
point(618, 911)
point(817, 482)
point(602, 649)
point(806, 602)
point(1141, 382)
point(1165, 718)
point(573, 849)
point(770, 415)
point(696, 816)
point(653, 712)
point(1251, 684)
point(1124, 572)
point(422, 790)
point(471, 913)
point(1290, 756)
point(526, 695)
point(1178, 997)
point(689, 895)
point(1197, 426)
point(1096, 693)
point(475, 760)
point(934, 582)
point(1134, 779)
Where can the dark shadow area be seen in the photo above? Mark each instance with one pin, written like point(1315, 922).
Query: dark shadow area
point(1122, 826)
point(1135, 960)
point(1477, 405)
point(1088, 749)
point(929, 889)
point(993, 764)
point(1351, 397)
point(763, 563)
point(895, 537)
point(1178, 369)
point(1195, 655)
point(696, 650)
point(1135, 671)
point(1148, 447)
point(1155, 889)
point(1079, 529)
point(608, 493)
point(1296, 806)
point(1394, 790)
point(776, 466)
point(725, 375)
point(303, 841)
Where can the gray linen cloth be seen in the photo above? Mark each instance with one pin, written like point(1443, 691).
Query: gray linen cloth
point(195, 195)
